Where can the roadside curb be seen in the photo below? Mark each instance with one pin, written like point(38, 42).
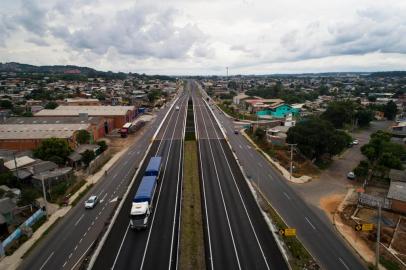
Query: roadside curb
point(301, 180)
point(117, 211)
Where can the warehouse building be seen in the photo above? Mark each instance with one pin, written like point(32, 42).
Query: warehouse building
point(119, 115)
point(29, 136)
point(99, 126)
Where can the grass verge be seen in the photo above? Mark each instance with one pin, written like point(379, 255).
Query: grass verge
point(299, 257)
point(191, 238)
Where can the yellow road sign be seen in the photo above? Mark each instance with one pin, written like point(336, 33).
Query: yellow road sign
point(287, 232)
point(364, 227)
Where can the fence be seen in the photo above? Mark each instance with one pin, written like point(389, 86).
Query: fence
point(95, 164)
point(373, 201)
point(17, 233)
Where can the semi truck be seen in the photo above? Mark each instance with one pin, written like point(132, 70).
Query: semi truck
point(154, 166)
point(142, 202)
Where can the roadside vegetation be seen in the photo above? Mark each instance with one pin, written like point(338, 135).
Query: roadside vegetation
point(381, 155)
point(299, 258)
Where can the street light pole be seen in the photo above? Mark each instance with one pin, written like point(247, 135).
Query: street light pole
point(291, 159)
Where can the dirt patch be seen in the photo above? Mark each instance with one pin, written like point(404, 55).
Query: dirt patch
point(330, 203)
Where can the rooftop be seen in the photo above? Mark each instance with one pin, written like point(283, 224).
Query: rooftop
point(90, 110)
point(52, 120)
point(39, 131)
point(397, 191)
point(21, 161)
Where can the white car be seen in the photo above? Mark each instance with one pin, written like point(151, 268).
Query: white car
point(351, 175)
point(91, 202)
point(355, 142)
point(177, 108)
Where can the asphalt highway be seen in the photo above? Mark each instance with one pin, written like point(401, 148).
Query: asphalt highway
point(66, 245)
point(236, 233)
point(321, 239)
point(157, 246)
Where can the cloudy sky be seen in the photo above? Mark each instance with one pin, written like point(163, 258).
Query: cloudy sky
point(203, 37)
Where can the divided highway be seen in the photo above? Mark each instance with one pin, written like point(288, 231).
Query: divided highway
point(68, 242)
point(156, 247)
point(236, 234)
point(329, 250)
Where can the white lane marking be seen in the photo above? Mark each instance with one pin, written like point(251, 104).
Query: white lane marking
point(88, 229)
point(64, 264)
point(84, 235)
point(104, 197)
point(100, 193)
point(125, 162)
point(80, 241)
point(343, 263)
point(81, 257)
point(204, 192)
point(239, 193)
point(49, 257)
point(308, 221)
point(160, 189)
point(76, 247)
point(238, 145)
point(114, 176)
point(221, 192)
point(79, 219)
point(92, 223)
point(70, 256)
point(286, 195)
point(260, 165)
point(121, 246)
point(96, 217)
point(138, 152)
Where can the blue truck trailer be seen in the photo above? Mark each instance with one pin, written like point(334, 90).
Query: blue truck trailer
point(154, 166)
point(142, 203)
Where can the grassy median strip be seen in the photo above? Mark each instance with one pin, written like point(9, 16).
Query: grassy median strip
point(191, 238)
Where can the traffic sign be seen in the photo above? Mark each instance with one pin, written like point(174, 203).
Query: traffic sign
point(287, 232)
point(364, 227)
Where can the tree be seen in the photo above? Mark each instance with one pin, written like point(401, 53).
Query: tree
point(339, 113)
point(51, 105)
point(382, 153)
point(52, 148)
point(88, 156)
point(364, 117)
point(390, 110)
point(153, 95)
point(372, 98)
point(28, 196)
point(6, 104)
point(260, 134)
point(83, 136)
point(316, 137)
point(103, 146)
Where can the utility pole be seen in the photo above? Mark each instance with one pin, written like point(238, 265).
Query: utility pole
point(378, 236)
point(291, 159)
point(45, 196)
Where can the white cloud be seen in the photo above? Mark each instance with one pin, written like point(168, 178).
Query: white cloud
point(193, 37)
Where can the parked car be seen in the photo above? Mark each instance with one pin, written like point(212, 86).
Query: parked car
point(91, 202)
point(235, 131)
point(351, 175)
point(355, 142)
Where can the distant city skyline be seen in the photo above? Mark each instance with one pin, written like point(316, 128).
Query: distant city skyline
point(183, 37)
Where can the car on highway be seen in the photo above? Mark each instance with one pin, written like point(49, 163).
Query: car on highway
point(235, 131)
point(351, 175)
point(91, 202)
point(177, 108)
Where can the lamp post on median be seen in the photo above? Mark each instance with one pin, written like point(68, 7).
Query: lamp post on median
point(291, 159)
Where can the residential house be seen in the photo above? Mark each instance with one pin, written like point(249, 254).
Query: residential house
point(397, 190)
